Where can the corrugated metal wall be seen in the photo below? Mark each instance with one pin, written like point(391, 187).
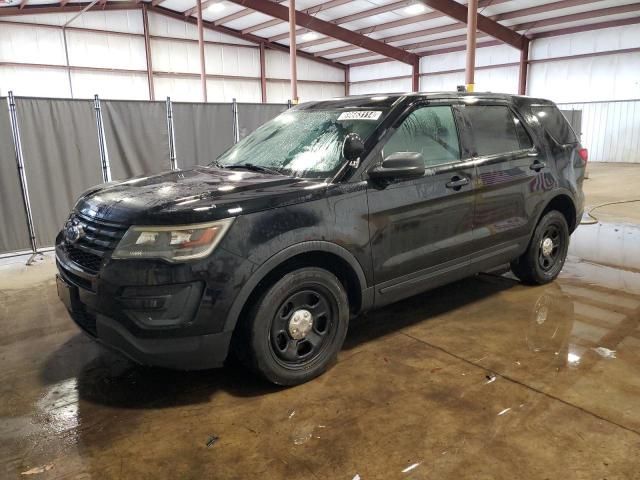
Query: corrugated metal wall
point(610, 130)
point(20, 43)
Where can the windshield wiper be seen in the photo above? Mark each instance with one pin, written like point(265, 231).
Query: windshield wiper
point(254, 167)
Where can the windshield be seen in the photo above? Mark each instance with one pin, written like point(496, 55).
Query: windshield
point(302, 143)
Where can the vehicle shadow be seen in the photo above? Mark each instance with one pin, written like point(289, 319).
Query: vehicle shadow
point(421, 308)
point(107, 378)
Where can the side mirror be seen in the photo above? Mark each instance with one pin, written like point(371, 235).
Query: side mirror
point(353, 147)
point(399, 165)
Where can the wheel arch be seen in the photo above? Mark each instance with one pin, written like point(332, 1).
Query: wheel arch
point(565, 205)
point(327, 255)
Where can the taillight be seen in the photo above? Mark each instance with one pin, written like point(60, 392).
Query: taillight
point(584, 154)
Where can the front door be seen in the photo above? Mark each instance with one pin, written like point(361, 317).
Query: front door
point(421, 229)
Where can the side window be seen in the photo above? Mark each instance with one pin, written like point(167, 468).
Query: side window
point(430, 131)
point(523, 136)
point(494, 129)
point(555, 124)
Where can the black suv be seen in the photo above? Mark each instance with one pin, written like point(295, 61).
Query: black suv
point(331, 209)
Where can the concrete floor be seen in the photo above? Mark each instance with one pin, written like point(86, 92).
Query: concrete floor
point(482, 379)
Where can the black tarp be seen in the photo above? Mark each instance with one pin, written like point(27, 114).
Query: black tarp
point(13, 219)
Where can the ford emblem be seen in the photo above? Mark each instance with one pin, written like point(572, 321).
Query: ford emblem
point(73, 232)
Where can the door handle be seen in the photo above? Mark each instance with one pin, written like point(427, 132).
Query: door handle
point(457, 182)
point(537, 165)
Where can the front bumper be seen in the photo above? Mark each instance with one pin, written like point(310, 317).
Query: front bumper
point(156, 314)
point(183, 353)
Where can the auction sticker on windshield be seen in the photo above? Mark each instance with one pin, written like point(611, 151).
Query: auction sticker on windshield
point(360, 115)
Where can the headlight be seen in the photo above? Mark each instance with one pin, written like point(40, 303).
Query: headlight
point(174, 244)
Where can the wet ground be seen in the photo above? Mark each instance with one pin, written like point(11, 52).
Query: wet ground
point(482, 379)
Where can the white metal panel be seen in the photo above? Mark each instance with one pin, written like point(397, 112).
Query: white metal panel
point(441, 82)
point(319, 91)
point(90, 49)
point(496, 55)
point(225, 90)
point(179, 89)
point(277, 66)
point(127, 21)
point(400, 85)
point(27, 44)
point(29, 82)
point(175, 56)
point(610, 77)
point(380, 70)
point(280, 92)
point(111, 85)
point(497, 80)
point(164, 26)
point(228, 60)
point(610, 130)
point(586, 42)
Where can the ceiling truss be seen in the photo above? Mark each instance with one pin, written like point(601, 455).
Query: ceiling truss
point(396, 46)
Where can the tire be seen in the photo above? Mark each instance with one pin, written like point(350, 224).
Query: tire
point(542, 264)
point(283, 344)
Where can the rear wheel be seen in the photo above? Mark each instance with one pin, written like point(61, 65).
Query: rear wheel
point(296, 329)
point(545, 257)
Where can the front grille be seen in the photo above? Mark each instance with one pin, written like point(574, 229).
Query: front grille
point(99, 240)
point(88, 261)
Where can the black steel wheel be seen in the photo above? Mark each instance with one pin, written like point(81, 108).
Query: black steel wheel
point(296, 329)
point(303, 327)
point(547, 251)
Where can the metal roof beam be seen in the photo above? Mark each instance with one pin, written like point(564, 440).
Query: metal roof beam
point(232, 16)
point(329, 29)
point(248, 37)
point(311, 11)
point(575, 17)
point(388, 25)
point(486, 25)
point(53, 8)
point(459, 25)
point(354, 16)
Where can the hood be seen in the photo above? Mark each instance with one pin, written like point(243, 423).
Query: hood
point(198, 194)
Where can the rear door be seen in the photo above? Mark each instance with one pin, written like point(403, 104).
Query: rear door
point(421, 229)
point(507, 164)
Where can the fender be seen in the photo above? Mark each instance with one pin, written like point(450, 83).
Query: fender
point(286, 254)
point(556, 193)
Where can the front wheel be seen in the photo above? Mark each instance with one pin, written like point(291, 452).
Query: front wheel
point(547, 252)
point(296, 329)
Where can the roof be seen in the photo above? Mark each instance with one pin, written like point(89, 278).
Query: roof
point(361, 32)
point(385, 101)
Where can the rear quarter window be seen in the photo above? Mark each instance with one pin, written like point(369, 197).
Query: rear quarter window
point(555, 124)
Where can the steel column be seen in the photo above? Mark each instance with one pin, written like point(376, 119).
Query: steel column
point(203, 69)
point(472, 27)
point(24, 188)
point(102, 141)
point(524, 68)
point(236, 122)
point(347, 80)
point(147, 51)
point(263, 73)
point(292, 51)
point(415, 76)
point(173, 162)
point(66, 55)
